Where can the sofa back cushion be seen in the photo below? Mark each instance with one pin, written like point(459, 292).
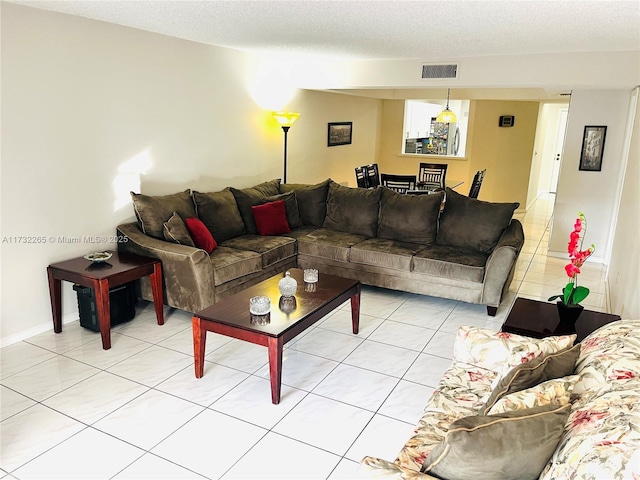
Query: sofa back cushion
point(153, 212)
point(353, 210)
point(312, 201)
point(409, 218)
point(248, 197)
point(467, 222)
point(219, 212)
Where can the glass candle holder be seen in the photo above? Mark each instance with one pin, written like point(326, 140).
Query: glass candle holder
point(288, 285)
point(310, 275)
point(259, 305)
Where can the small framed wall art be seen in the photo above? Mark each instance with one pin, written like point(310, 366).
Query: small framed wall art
point(592, 148)
point(339, 133)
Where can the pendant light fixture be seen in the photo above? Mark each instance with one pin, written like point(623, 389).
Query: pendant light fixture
point(447, 116)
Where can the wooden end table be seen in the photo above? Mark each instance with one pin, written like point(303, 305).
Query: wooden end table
point(533, 318)
point(231, 317)
point(119, 269)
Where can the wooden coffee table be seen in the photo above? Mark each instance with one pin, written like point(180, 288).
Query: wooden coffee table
point(533, 318)
point(231, 317)
point(119, 269)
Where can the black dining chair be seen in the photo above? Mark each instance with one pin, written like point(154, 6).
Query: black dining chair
point(432, 175)
point(398, 183)
point(477, 183)
point(368, 176)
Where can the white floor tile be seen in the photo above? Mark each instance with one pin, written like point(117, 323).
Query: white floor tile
point(244, 356)
point(32, 432)
point(146, 328)
point(89, 454)
point(382, 358)
point(49, 377)
point(148, 419)
point(95, 397)
point(327, 344)
point(301, 370)
point(324, 423)
point(73, 335)
point(152, 467)
point(183, 342)
point(356, 386)
point(350, 470)
point(402, 335)
point(340, 322)
point(122, 347)
point(407, 402)
point(21, 356)
point(210, 444)
point(441, 345)
point(217, 381)
point(279, 457)
point(152, 366)
point(427, 370)
point(12, 402)
point(251, 401)
point(383, 437)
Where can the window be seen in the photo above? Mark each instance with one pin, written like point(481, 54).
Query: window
point(424, 136)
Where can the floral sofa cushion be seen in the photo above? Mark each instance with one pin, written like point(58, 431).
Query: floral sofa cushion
point(501, 351)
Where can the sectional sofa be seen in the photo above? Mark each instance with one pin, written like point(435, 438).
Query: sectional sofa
point(443, 244)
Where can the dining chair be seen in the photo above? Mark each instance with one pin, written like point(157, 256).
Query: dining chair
point(432, 174)
point(368, 176)
point(477, 183)
point(398, 183)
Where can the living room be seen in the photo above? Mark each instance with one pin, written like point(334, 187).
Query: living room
point(93, 110)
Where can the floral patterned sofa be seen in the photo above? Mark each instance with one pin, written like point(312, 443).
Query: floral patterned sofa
point(595, 405)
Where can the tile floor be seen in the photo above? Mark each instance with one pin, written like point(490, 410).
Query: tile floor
point(69, 409)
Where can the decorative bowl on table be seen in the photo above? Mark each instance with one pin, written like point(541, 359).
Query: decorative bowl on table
point(310, 275)
point(98, 257)
point(259, 305)
point(287, 285)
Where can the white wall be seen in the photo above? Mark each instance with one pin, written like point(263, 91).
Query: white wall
point(623, 274)
point(593, 193)
point(92, 110)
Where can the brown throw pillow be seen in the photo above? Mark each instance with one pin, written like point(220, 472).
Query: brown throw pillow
point(312, 201)
point(467, 222)
point(353, 210)
point(510, 446)
point(409, 218)
point(248, 197)
point(175, 231)
point(290, 205)
point(546, 367)
point(152, 212)
point(219, 212)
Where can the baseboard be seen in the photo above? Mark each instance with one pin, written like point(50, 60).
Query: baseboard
point(37, 330)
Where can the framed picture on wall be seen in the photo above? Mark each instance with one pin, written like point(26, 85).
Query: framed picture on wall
point(339, 133)
point(592, 148)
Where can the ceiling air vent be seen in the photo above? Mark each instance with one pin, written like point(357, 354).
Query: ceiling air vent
point(440, 71)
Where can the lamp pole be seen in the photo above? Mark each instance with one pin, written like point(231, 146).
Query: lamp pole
point(285, 119)
point(285, 129)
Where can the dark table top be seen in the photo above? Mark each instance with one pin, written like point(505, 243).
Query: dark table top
point(118, 263)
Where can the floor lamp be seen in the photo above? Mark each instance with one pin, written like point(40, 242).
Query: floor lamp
point(285, 119)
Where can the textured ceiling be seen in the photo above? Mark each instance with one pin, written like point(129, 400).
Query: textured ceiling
point(426, 30)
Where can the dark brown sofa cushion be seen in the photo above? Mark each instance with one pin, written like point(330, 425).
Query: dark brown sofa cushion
point(248, 197)
point(312, 201)
point(353, 210)
point(219, 212)
point(470, 223)
point(175, 231)
point(290, 206)
point(409, 218)
point(152, 212)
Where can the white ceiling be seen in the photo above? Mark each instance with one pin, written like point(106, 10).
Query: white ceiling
point(427, 30)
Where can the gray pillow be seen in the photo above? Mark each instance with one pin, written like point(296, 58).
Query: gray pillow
point(409, 218)
point(546, 367)
point(312, 201)
point(290, 205)
point(514, 445)
point(248, 197)
point(219, 213)
point(353, 210)
point(176, 231)
point(152, 212)
point(470, 223)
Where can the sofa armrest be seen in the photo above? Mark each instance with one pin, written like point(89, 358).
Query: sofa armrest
point(187, 271)
point(501, 264)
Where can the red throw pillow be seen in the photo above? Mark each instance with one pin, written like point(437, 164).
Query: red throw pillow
point(271, 218)
point(200, 234)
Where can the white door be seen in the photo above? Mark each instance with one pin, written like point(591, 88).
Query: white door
point(562, 126)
